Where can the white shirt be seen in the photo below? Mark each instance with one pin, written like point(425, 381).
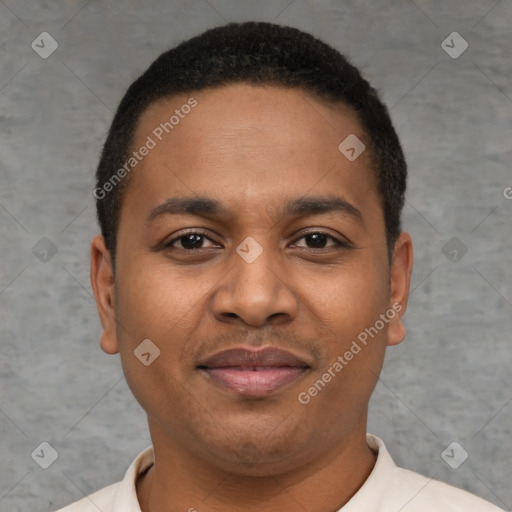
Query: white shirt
point(387, 489)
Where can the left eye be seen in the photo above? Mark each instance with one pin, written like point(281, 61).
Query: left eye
point(319, 239)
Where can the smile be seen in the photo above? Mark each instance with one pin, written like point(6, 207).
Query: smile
point(254, 373)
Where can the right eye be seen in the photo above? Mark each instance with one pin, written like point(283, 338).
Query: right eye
point(189, 241)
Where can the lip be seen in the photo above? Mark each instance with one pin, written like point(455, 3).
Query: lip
point(254, 373)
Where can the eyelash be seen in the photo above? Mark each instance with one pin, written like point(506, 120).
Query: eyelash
point(337, 242)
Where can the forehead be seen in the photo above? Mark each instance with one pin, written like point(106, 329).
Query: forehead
point(248, 143)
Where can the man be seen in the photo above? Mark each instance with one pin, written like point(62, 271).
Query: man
point(251, 272)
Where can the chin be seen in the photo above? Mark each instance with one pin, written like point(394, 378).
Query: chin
point(250, 454)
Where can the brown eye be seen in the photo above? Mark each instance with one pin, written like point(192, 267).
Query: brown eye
point(318, 240)
point(188, 241)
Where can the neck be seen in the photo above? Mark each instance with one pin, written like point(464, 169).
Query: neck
point(179, 481)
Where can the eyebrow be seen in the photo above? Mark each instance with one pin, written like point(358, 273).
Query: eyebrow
point(300, 207)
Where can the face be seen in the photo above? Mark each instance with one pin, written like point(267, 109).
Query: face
point(286, 251)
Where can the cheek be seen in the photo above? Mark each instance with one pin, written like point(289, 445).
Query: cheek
point(354, 342)
point(351, 298)
point(166, 307)
point(155, 306)
point(153, 299)
point(347, 309)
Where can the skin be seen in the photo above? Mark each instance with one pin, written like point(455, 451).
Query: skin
point(252, 148)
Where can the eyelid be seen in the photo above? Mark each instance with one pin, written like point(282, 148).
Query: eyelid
point(339, 241)
point(191, 231)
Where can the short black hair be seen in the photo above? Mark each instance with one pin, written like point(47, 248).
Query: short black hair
point(257, 53)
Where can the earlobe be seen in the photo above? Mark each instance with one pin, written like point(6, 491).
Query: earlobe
point(103, 285)
point(400, 282)
point(396, 332)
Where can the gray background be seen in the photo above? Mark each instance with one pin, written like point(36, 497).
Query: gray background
point(449, 381)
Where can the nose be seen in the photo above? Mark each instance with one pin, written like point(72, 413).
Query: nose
point(255, 292)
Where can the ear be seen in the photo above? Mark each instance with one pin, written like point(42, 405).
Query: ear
point(103, 286)
point(401, 270)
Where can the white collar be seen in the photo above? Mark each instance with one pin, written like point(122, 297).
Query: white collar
point(126, 495)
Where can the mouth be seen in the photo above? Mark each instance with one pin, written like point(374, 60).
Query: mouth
point(254, 373)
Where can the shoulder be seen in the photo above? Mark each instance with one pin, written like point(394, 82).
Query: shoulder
point(422, 494)
point(100, 500)
point(119, 496)
point(391, 488)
